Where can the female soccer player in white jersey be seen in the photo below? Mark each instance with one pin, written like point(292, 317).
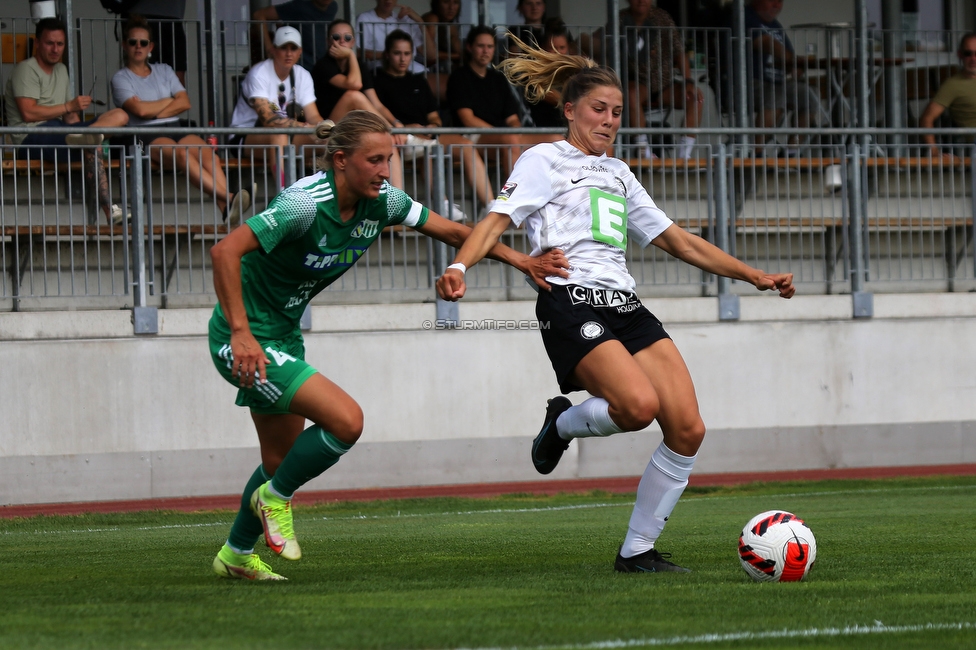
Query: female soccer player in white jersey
point(265, 273)
point(571, 196)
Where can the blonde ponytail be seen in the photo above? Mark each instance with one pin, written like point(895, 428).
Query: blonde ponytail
point(540, 72)
point(347, 134)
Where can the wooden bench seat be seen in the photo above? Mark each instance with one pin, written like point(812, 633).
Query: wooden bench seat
point(11, 166)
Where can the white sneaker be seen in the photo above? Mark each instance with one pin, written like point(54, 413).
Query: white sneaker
point(417, 141)
point(117, 217)
point(238, 206)
point(453, 212)
point(416, 147)
point(642, 148)
point(86, 139)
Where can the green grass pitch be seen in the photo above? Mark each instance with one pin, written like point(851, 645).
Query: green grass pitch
point(896, 569)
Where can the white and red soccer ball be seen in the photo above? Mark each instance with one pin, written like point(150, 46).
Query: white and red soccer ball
point(776, 546)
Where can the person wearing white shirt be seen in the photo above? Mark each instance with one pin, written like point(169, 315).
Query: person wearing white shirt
point(277, 93)
point(600, 338)
point(376, 24)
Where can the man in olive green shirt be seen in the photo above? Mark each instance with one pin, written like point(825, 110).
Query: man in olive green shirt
point(957, 93)
point(37, 94)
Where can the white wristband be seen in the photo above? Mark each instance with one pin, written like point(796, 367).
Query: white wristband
point(460, 267)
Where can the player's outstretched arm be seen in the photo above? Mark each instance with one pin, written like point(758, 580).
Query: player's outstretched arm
point(696, 251)
point(483, 242)
point(249, 358)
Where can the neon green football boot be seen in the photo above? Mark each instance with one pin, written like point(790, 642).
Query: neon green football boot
point(229, 564)
point(275, 516)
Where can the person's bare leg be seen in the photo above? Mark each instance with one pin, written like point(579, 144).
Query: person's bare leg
point(187, 156)
point(474, 167)
point(213, 168)
point(257, 147)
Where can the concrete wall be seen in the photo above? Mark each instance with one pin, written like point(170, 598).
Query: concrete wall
point(91, 412)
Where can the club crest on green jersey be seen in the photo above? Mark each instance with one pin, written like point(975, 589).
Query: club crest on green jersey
point(366, 228)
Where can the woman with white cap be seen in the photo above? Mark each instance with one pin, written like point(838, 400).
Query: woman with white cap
point(277, 93)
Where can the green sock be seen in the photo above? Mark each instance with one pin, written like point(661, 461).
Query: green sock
point(247, 528)
point(314, 451)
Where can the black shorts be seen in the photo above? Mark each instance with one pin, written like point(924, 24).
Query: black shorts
point(574, 320)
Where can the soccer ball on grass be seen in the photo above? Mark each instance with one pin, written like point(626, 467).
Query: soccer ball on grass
point(776, 546)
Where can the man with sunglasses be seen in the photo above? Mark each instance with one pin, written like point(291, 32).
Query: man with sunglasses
point(957, 93)
point(276, 93)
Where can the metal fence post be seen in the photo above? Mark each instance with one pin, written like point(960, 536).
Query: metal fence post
point(863, 302)
point(728, 302)
point(740, 72)
point(291, 174)
point(212, 56)
point(144, 319)
point(71, 54)
point(972, 193)
point(446, 311)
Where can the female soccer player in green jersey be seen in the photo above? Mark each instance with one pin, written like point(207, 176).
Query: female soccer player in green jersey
point(265, 273)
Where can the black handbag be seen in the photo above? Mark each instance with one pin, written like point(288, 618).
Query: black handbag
point(292, 109)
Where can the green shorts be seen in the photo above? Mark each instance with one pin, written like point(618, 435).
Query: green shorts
point(285, 374)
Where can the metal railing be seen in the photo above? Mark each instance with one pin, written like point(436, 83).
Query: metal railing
point(888, 218)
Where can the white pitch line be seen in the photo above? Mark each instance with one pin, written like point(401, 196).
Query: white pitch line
point(492, 511)
point(815, 632)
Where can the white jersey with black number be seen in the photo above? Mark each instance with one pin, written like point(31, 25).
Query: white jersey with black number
point(584, 205)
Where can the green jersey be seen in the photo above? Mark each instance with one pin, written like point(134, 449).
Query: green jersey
point(305, 247)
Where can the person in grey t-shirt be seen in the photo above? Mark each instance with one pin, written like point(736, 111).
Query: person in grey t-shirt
point(152, 95)
point(166, 31)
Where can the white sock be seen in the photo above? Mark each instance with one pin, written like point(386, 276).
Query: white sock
point(684, 149)
point(239, 551)
point(591, 418)
point(660, 488)
point(277, 493)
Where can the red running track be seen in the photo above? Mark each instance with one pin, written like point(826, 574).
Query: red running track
point(475, 490)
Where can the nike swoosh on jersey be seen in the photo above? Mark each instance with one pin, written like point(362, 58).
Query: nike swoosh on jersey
point(577, 180)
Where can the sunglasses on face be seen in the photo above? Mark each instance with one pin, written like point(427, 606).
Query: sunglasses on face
point(282, 100)
point(342, 37)
point(141, 42)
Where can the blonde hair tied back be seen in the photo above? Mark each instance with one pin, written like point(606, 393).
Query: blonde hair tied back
point(347, 134)
point(539, 71)
point(324, 129)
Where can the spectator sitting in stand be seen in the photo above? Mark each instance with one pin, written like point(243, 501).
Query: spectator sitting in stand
point(310, 17)
point(654, 51)
point(277, 93)
point(408, 97)
point(774, 65)
point(341, 86)
point(152, 95)
point(445, 34)
point(480, 97)
point(165, 19)
point(376, 24)
point(37, 94)
point(957, 93)
point(531, 30)
point(548, 112)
